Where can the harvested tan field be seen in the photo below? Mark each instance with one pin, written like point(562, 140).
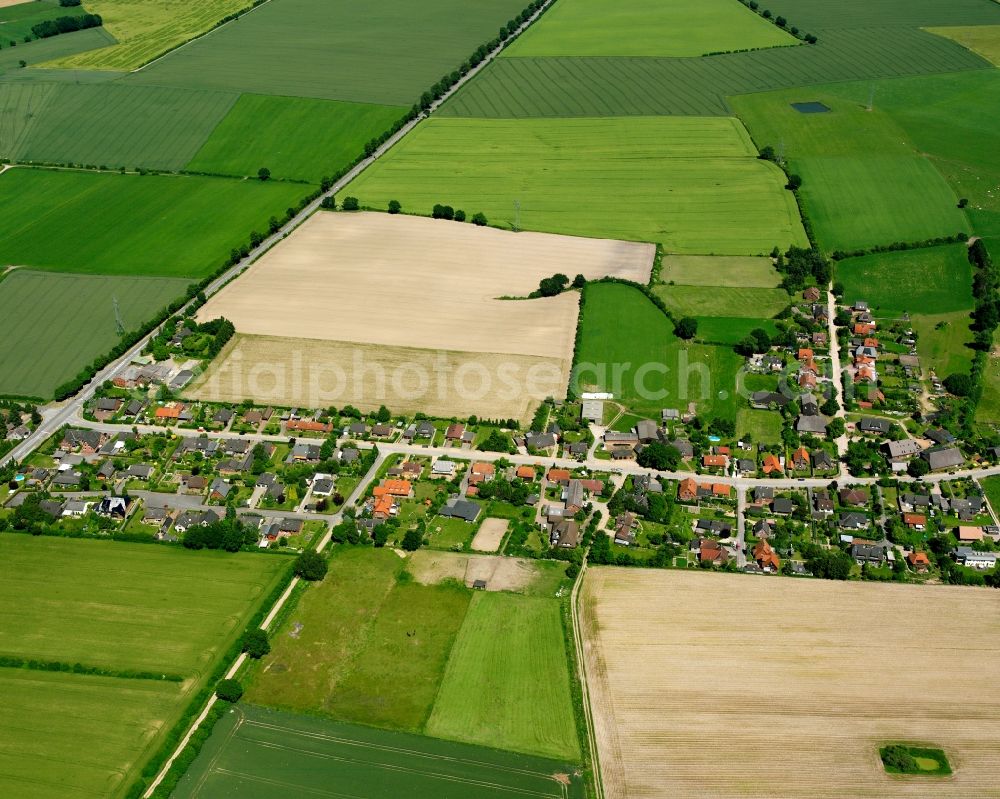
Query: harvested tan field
point(490, 535)
point(725, 686)
point(7, 3)
point(423, 283)
point(500, 573)
point(313, 374)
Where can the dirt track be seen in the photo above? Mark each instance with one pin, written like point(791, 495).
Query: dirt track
point(726, 686)
point(429, 284)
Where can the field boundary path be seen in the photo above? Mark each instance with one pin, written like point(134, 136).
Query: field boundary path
point(581, 667)
point(57, 415)
point(838, 374)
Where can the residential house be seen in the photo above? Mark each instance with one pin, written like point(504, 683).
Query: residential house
point(323, 485)
point(764, 400)
point(914, 503)
point(811, 294)
point(86, 442)
point(765, 557)
point(853, 497)
point(811, 425)
point(763, 529)
point(113, 507)
point(853, 521)
point(800, 459)
point(715, 462)
point(903, 449)
point(219, 490)
point(540, 441)
point(711, 551)
point(566, 534)
point(822, 461)
point(919, 561)
point(967, 556)
point(195, 518)
point(75, 508)
point(940, 436)
point(915, 521)
point(874, 426)
point(455, 432)
point(714, 527)
point(647, 431)
point(223, 416)
point(525, 473)
point(394, 488)
point(443, 469)
point(139, 471)
point(867, 552)
point(626, 529)
point(273, 489)
point(940, 458)
point(783, 506)
point(772, 464)
point(822, 504)
point(304, 452)
point(968, 534)
point(194, 483)
point(456, 508)
point(684, 447)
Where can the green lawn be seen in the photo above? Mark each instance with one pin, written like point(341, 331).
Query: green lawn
point(108, 124)
point(507, 682)
point(45, 339)
point(988, 410)
point(127, 606)
point(129, 224)
point(730, 330)
point(447, 533)
point(716, 301)
point(293, 137)
point(705, 270)
point(621, 328)
point(47, 715)
point(692, 184)
point(647, 28)
point(934, 280)
point(885, 13)
point(257, 753)
point(336, 51)
point(763, 427)
point(864, 183)
point(944, 348)
point(120, 607)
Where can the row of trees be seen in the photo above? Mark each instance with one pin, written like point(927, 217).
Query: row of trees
point(53, 27)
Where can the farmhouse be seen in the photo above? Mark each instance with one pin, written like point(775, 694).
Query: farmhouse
point(940, 458)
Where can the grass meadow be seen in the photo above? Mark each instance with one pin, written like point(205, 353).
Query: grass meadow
point(730, 330)
point(52, 324)
point(723, 301)
point(108, 124)
point(162, 226)
point(47, 717)
point(16, 21)
point(372, 645)
point(144, 30)
point(692, 184)
point(336, 51)
point(943, 341)
point(507, 684)
point(701, 270)
point(864, 183)
point(620, 326)
point(294, 137)
point(647, 28)
point(850, 14)
point(258, 753)
point(114, 606)
point(619, 86)
point(933, 280)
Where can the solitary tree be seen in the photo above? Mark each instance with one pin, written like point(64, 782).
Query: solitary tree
point(686, 327)
point(264, 173)
point(479, 219)
point(229, 690)
point(255, 643)
point(412, 540)
point(350, 204)
point(310, 565)
point(794, 182)
point(394, 207)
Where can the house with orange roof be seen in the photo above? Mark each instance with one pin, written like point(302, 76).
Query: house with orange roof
point(805, 354)
point(525, 472)
point(772, 463)
point(308, 426)
point(384, 507)
point(765, 557)
point(721, 490)
point(915, 521)
point(559, 475)
point(800, 458)
point(687, 490)
point(864, 328)
point(484, 469)
point(394, 488)
point(918, 561)
point(172, 410)
point(711, 551)
point(715, 461)
point(865, 375)
point(807, 380)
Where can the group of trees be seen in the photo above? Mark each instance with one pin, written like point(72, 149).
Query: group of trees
point(53, 27)
point(755, 342)
point(557, 284)
point(229, 534)
point(799, 265)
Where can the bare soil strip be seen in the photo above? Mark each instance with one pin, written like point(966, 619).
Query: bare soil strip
point(500, 573)
point(490, 535)
point(725, 686)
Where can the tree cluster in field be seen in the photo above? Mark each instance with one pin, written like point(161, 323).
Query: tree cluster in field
point(311, 566)
point(69, 3)
point(800, 266)
point(557, 284)
point(516, 492)
point(756, 342)
point(498, 441)
point(659, 456)
point(827, 564)
point(686, 328)
point(53, 27)
point(780, 21)
point(228, 534)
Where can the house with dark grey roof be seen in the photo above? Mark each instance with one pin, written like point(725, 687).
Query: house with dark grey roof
point(940, 436)
point(768, 399)
point(684, 447)
point(943, 458)
point(812, 425)
point(867, 553)
point(872, 425)
point(457, 508)
point(783, 506)
point(853, 521)
point(540, 440)
point(905, 448)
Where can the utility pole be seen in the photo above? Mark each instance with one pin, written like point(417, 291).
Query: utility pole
point(119, 324)
point(517, 215)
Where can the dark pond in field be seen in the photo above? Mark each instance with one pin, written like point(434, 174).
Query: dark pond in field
point(810, 108)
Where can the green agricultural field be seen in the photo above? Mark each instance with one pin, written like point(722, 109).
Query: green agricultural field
point(849, 14)
point(647, 28)
point(395, 677)
point(120, 607)
point(704, 270)
point(717, 301)
point(263, 754)
point(48, 715)
point(951, 121)
point(293, 137)
point(41, 50)
point(763, 427)
point(935, 280)
point(983, 40)
point(145, 29)
point(864, 183)
point(108, 124)
point(991, 487)
point(163, 225)
point(691, 184)
point(507, 684)
point(52, 325)
point(16, 21)
point(943, 341)
point(336, 51)
point(587, 87)
point(730, 330)
point(127, 606)
point(621, 326)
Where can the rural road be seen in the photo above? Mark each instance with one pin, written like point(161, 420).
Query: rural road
point(838, 374)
